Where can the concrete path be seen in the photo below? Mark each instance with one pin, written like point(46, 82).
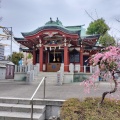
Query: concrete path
point(10, 88)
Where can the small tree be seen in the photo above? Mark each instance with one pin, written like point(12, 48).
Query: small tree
point(16, 57)
point(107, 40)
point(109, 61)
point(100, 27)
point(29, 56)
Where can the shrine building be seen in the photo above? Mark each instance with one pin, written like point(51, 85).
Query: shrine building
point(53, 45)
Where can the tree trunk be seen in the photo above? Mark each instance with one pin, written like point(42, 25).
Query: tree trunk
point(112, 91)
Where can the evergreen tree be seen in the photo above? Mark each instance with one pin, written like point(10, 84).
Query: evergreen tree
point(100, 27)
point(16, 57)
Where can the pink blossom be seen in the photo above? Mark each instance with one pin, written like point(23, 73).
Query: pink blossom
point(108, 60)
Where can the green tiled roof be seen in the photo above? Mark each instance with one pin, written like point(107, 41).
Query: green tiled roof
point(83, 32)
point(55, 25)
point(74, 28)
point(52, 28)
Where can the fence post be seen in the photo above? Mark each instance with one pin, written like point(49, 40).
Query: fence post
point(15, 68)
point(84, 69)
point(20, 68)
point(28, 67)
point(91, 70)
point(31, 109)
point(44, 87)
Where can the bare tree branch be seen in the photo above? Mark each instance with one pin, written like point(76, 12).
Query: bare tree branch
point(89, 15)
point(115, 29)
point(118, 20)
point(96, 14)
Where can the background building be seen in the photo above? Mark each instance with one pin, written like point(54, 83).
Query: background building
point(1, 52)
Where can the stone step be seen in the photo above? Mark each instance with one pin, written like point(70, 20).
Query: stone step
point(48, 80)
point(26, 101)
point(47, 73)
point(21, 108)
point(10, 100)
point(5, 115)
point(47, 76)
point(53, 74)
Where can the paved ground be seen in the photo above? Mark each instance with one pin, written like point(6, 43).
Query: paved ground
point(53, 91)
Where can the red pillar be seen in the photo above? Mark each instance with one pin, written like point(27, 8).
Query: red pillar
point(34, 57)
point(81, 59)
point(41, 58)
point(66, 65)
point(68, 59)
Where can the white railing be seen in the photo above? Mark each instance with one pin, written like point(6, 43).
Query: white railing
point(77, 68)
point(23, 68)
point(31, 99)
point(72, 68)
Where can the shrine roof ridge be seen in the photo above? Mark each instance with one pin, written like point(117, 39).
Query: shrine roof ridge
point(75, 26)
point(51, 28)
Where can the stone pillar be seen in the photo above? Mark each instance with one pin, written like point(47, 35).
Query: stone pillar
point(66, 65)
point(34, 57)
point(41, 58)
point(81, 59)
point(16, 68)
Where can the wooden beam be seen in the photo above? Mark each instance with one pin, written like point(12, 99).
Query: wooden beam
point(25, 44)
point(33, 41)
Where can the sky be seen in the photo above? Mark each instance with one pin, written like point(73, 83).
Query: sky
point(27, 15)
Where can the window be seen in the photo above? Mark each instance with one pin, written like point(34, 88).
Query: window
point(74, 56)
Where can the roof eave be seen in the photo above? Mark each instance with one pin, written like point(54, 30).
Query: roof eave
point(17, 39)
point(25, 34)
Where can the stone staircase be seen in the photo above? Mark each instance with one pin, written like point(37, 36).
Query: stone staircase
point(15, 109)
point(51, 77)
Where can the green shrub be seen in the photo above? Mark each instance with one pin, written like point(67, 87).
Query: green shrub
point(89, 109)
point(72, 110)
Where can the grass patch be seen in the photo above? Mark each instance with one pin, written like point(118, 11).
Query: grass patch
point(89, 109)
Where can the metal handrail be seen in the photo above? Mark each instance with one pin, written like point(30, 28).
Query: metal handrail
point(31, 99)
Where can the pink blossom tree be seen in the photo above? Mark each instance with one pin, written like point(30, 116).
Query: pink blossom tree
point(109, 61)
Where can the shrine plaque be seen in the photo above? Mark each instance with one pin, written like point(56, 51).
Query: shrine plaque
point(53, 67)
